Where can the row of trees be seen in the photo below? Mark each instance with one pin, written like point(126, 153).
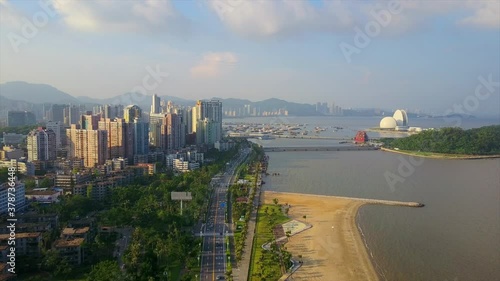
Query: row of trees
point(478, 141)
point(24, 130)
point(244, 209)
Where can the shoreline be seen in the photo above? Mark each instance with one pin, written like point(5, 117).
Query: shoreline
point(333, 249)
point(434, 155)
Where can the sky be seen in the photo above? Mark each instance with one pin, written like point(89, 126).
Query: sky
point(436, 56)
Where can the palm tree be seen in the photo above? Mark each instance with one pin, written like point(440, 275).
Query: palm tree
point(304, 217)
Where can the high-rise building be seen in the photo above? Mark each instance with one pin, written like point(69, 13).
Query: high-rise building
point(185, 122)
point(156, 122)
point(89, 122)
point(120, 140)
point(109, 111)
point(20, 118)
point(55, 126)
point(118, 109)
point(172, 132)
point(155, 105)
point(188, 120)
point(41, 145)
point(208, 116)
point(194, 119)
point(89, 145)
point(73, 115)
point(141, 137)
point(170, 107)
point(207, 132)
point(166, 131)
point(131, 112)
point(57, 112)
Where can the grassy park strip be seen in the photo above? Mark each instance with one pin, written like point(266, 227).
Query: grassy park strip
point(266, 265)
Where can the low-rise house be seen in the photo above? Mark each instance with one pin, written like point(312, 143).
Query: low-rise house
point(26, 227)
point(18, 193)
point(67, 181)
point(89, 222)
point(96, 190)
point(71, 249)
point(185, 166)
point(33, 217)
point(150, 167)
point(241, 200)
point(43, 196)
point(5, 275)
point(10, 152)
point(26, 168)
point(69, 233)
point(4, 250)
point(26, 243)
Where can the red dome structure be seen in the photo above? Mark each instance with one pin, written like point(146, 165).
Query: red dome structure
point(361, 137)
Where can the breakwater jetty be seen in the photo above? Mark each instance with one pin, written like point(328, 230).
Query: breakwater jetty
point(365, 200)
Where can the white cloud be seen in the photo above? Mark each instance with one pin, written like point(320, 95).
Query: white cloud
point(487, 14)
point(120, 16)
point(267, 18)
point(9, 16)
point(213, 64)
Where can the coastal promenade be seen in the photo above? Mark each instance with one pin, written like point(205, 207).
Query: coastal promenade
point(241, 271)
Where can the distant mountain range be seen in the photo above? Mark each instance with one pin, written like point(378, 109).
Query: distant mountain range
point(35, 93)
point(19, 95)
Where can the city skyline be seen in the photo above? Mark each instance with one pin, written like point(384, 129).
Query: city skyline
point(293, 50)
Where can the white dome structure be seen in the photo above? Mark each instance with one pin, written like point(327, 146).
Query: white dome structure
point(388, 123)
point(401, 117)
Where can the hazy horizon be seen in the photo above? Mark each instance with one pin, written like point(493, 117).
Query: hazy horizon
point(370, 54)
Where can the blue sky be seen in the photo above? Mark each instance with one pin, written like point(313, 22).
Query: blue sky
point(427, 56)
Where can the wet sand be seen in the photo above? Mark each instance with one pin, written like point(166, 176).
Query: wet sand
point(333, 248)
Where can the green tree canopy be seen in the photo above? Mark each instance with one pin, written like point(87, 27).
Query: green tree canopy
point(105, 271)
point(477, 141)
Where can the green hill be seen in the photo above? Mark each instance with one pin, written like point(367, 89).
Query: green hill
point(478, 141)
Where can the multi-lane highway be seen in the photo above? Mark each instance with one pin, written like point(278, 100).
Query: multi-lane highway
point(213, 256)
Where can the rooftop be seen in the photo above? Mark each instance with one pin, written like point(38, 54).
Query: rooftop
point(41, 192)
point(73, 231)
point(21, 235)
point(24, 225)
point(65, 243)
point(34, 215)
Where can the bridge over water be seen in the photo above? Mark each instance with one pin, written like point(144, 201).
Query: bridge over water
point(311, 137)
point(300, 137)
point(319, 148)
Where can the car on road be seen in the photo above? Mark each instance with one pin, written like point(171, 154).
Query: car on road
point(220, 277)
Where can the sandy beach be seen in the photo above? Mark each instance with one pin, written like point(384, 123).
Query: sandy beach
point(333, 248)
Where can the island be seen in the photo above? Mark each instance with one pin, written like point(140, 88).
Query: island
point(453, 143)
